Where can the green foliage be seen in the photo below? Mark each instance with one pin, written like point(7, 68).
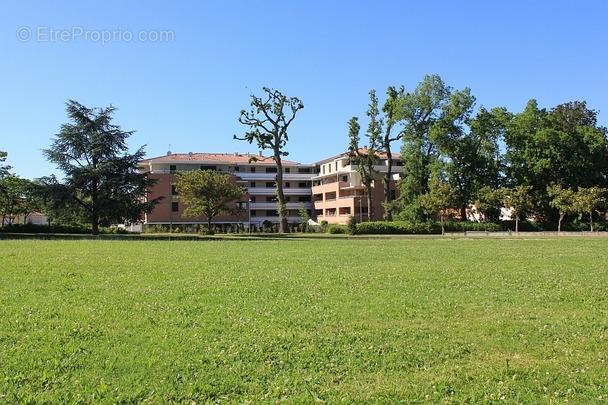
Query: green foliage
point(4, 169)
point(398, 228)
point(563, 147)
point(207, 193)
point(484, 321)
point(268, 120)
point(304, 217)
point(45, 229)
point(101, 176)
point(351, 225)
point(519, 201)
point(588, 200)
point(335, 229)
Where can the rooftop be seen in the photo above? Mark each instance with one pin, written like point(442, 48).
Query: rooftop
point(231, 158)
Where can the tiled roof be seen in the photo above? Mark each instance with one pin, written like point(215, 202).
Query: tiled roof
point(362, 151)
point(232, 158)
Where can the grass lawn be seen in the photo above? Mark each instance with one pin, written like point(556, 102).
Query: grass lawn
point(305, 320)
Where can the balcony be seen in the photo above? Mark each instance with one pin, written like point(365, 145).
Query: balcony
point(271, 191)
point(272, 176)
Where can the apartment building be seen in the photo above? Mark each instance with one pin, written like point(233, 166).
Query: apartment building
point(338, 190)
point(257, 176)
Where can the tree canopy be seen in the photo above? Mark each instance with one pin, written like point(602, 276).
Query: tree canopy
point(208, 193)
point(100, 175)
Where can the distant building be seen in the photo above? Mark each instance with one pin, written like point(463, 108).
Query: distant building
point(257, 176)
point(338, 191)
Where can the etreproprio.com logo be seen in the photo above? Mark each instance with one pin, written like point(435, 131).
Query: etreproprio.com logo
point(80, 34)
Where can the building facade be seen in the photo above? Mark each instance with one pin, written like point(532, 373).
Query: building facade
point(338, 191)
point(256, 173)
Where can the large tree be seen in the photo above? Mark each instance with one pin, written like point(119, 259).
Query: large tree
point(563, 146)
point(268, 119)
point(99, 172)
point(208, 193)
point(433, 118)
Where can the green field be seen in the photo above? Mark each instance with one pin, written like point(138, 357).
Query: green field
point(301, 321)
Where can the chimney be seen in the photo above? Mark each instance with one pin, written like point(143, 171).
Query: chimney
point(260, 154)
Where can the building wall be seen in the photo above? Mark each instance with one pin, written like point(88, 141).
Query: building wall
point(339, 193)
point(257, 206)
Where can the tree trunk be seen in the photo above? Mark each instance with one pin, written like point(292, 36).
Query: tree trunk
point(281, 207)
point(591, 219)
point(559, 223)
point(369, 204)
point(463, 213)
point(517, 224)
point(388, 215)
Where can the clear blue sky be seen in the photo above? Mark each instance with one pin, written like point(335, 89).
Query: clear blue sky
point(186, 84)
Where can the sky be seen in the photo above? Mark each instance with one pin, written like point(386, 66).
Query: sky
point(179, 73)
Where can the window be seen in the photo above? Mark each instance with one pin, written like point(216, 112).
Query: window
point(270, 184)
point(205, 167)
point(269, 199)
point(237, 169)
point(345, 178)
point(287, 185)
point(252, 170)
point(329, 168)
point(287, 170)
point(303, 185)
point(272, 213)
point(172, 168)
point(305, 198)
point(304, 170)
point(393, 195)
point(254, 213)
point(173, 190)
point(271, 170)
point(252, 199)
point(252, 184)
point(174, 206)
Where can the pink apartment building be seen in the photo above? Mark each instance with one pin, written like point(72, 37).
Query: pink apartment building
point(338, 191)
point(330, 190)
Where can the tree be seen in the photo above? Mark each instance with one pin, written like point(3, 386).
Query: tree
point(268, 120)
point(589, 200)
point(459, 149)
point(519, 200)
point(304, 217)
point(4, 169)
point(440, 198)
point(364, 158)
point(12, 196)
point(100, 175)
point(208, 193)
point(563, 146)
point(564, 200)
point(431, 114)
point(393, 113)
point(489, 202)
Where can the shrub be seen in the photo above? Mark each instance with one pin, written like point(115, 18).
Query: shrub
point(351, 225)
point(336, 229)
